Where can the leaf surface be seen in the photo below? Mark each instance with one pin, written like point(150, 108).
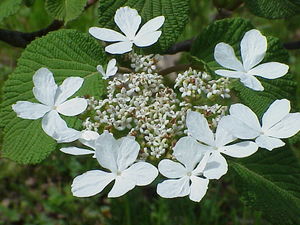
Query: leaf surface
point(274, 9)
point(65, 10)
point(9, 7)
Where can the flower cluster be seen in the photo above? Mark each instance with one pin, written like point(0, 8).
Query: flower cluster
point(186, 130)
point(193, 83)
point(147, 64)
point(141, 104)
point(212, 113)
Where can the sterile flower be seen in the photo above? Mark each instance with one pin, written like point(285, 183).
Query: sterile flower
point(87, 138)
point(118, 156)
point(253, 50)
point(53, 101)
point(128, 20)
point(190, 176)
point(111, 69)
point(217, 143)
point(277, 123)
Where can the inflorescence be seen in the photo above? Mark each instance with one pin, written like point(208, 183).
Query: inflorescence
point(141, 104)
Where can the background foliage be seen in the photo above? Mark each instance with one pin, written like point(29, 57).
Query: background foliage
point(40, 194)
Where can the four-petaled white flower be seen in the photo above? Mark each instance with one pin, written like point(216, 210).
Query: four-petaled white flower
point(128, 20)
point(253, 50)
point(277, 123)
point(87, 138)
point(119, 157)
point(111, 69)
point(217, 143)
point(190, 176)
point(54, 101)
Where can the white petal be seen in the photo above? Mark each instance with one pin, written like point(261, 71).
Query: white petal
point(271, 70)
point(128, 20)
point(111, 69)
point(89, 138)
point(225, 56)
point(106, 151)
point(229, 73)
point(122, 185)
point(89, 135)
point(198, 171)
point(147, 39)
point(253, 48)
point(57, 128)
point(72, 107)
point(269, 142)
point(127, 153)
point(287, 127)
point(223, 136)
point(91, 183)
point(240, 150)
point(101, 71)
point(151, 26)
point(189, 152)
point(44, 86)
point(174, 188)
point(29, 110)
point(119, 47)
point(198, 128)
point(251, 82)
point(198, 188)
point(76, 151)
point(171, 169)
point(238, 128)
point(105, 34)
point(216, 166)
point(276, 112)
point(142, 173)
point(68, 88)
point(245, 115)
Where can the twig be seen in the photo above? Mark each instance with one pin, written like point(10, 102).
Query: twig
point(21, 39)
point(178, 68)
point(292, 45)
point(124, 70)
point(184, 46)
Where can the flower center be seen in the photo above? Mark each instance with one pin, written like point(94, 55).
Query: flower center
point(54, 107)
point(189, 174)
point(119, 173)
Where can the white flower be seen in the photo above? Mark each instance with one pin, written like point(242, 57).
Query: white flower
point(118, 156)
point(54, 101)
point(190, 176)
point(217, 143)
point(111, 69)
point(277, 123)
point(253, 50)
point(128, 20)
point(88, 138)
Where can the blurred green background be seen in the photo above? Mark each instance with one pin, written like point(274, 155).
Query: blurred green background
point(40, 194)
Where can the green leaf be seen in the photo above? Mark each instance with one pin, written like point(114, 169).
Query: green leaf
point(274, 9)
point(66, 53)
point(65, 10)
point(9, 7)
point(275, 177)
point(176, 13)
point(231, 31)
